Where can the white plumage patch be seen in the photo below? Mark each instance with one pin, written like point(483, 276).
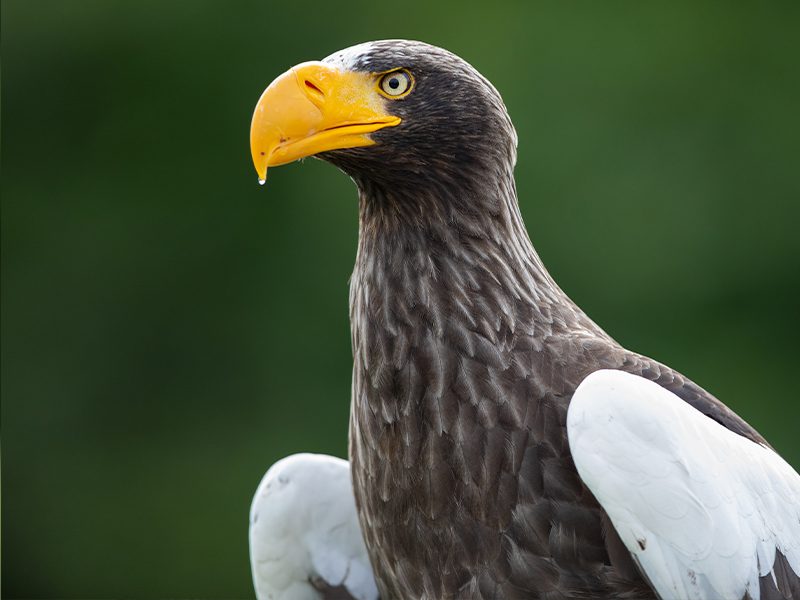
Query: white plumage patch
point(702, 509)
point(352, 58)
point(303, 526)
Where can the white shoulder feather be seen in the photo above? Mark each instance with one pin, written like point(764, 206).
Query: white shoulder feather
point(702, 510)
point(304, 528)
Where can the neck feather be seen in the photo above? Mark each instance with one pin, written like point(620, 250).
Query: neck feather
point(448, 292)
point(454, 239)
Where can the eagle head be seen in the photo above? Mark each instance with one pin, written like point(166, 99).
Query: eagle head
point(396, 114)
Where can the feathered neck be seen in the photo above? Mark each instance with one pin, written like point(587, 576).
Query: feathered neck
point(460, 236)
point(447, 277)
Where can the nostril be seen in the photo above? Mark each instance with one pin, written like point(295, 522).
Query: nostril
point(313, 88)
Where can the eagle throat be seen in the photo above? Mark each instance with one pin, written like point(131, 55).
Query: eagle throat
point(452, 260)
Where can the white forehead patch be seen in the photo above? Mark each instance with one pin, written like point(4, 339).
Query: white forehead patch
point(352, 58)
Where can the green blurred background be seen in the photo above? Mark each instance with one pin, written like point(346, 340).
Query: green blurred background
point(170, 328)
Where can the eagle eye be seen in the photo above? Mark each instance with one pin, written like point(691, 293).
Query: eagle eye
point(396, 84)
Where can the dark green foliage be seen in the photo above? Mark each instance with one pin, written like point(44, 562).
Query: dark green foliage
point(169, 328)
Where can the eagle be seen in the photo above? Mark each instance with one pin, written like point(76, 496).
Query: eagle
point(502, 445)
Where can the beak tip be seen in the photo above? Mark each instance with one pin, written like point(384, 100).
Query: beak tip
point(261, 164)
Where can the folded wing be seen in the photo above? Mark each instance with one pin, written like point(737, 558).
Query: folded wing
point(705, 512)
point(305, 540)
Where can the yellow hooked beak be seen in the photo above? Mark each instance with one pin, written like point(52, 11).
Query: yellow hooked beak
point(313, 108)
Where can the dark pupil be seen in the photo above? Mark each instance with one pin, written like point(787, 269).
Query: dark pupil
point(394, 83)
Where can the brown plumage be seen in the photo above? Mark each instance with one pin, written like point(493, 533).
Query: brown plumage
point(466, 355)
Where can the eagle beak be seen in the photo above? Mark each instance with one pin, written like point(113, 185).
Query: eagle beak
point(314, 108)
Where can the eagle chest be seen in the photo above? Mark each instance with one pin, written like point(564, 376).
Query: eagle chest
point(457, 452)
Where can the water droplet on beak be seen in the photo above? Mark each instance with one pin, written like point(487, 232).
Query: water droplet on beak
point(262, 181)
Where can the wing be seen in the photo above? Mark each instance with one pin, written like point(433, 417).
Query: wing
point(705, 512)
point(305, 541)
point(688, 391)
